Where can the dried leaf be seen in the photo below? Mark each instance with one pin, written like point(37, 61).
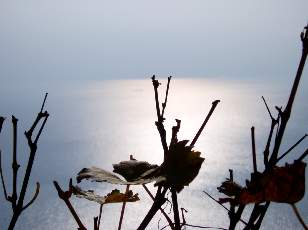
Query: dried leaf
point(100, 175)
point(230, 188)
point(282, 184)
point(182, 165)
point(115, 196)
point(131, 170)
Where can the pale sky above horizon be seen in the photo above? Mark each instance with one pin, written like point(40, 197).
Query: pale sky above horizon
point(66, 39)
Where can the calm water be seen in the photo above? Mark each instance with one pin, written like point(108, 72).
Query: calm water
point(103, 122)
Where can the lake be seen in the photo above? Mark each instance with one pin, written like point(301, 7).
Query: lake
point(98, 123)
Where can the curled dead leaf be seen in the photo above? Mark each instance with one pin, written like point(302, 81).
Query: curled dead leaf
point(131, 170)
point(115, 196)
point(181, 166)
point(101, 175)
point(282, 184)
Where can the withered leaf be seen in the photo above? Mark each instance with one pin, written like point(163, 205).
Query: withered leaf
point(181, 166)
point(115, 196)
point(230, 188)
point(131, 170)
point(282, 184)
point(100, 175)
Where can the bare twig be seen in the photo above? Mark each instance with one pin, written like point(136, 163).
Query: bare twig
point(287, 111)
point(244, 222)
point(259, 211)
point(292, 147)
point(19, 207)
point(268, 110)
point(175, 130)
point(183, 216)
point(299, 217)
point(162, 210)
point(166, 98)
point(159, 200)
point(15, 165)
point(123, 209)
point(37, 190)
point(268, 143)
point(216, 201)
point(214, 104)
point(2, 179)
point(95, 223)
point(303, 155)
point(97, 219)
point(1, 122)
point(43, 104)
point(253, 146)
point(100, 216)
point(262, 215)
point(196, 226)
point(65, 196)
point(176, 215)
point(160, 120)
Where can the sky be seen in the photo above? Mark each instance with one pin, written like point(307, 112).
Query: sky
point(98, 39)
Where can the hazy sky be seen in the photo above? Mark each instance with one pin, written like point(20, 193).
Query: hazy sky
point(97, 39)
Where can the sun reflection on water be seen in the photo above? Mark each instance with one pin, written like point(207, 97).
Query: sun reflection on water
point(103, 122)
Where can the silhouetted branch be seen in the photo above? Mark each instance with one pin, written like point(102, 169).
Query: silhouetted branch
point(160, 120)
point(65, 196)
point(259, 210)
point(292, 147)
point(253, 146)
point(95, 223)
point(15, 165)
point(100, 216)
point(43, 104)
point(18, 204)
point(1, 122)
point(166, 98)
point(268, 143)
point(183, 216)
point(214, 104)
point(162, 210)
point(159, 200)
point(37, 190)
point(268, 110)
point(175, 130)
point(285, 115)
point(263, 212)
point(196, 226)
point(303, 155)
point(217, 201)
point(123, 209)
point(176, 215)
point(299, 217)
point(97, 219)
point(2, 179)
